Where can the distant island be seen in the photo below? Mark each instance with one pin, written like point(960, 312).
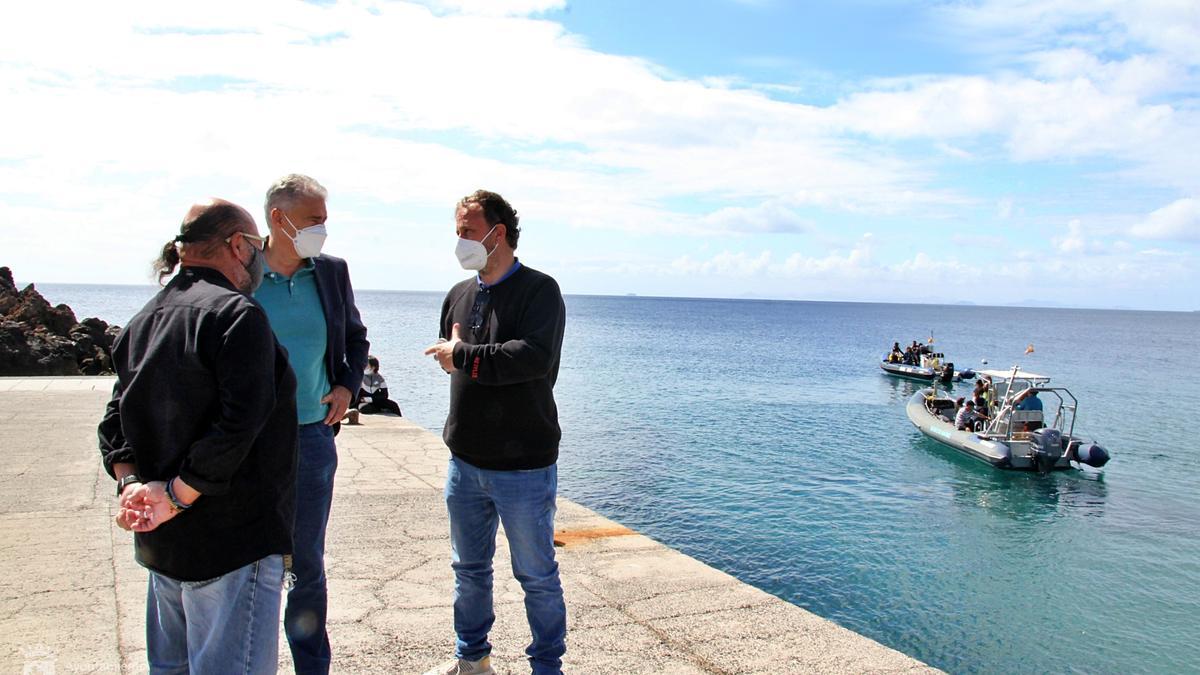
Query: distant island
point(37, 339)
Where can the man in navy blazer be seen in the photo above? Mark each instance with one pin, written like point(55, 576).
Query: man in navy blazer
point(310, 303)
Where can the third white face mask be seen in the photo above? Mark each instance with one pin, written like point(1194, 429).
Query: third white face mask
point(309, 241)
point(473, 255)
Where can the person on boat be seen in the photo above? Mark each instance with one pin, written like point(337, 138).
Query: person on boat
point(969, 418)
point(897, 354)
point(1028, 400)
point(983, 389)
point(980, 389)
point(951, 415)
point(981, 408)
point(373, 394)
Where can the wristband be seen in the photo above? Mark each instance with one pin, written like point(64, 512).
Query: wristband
point(176, 505)
point(125, 481)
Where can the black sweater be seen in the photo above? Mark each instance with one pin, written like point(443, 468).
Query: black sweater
point(502, 411)
point(205, 392)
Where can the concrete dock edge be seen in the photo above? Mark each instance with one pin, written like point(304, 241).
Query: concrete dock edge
point(72, 599)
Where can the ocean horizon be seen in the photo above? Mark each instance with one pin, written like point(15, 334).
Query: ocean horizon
point(1024, 304)
point(760, 437)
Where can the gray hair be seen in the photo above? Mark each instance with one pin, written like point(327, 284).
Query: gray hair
point(291, 187)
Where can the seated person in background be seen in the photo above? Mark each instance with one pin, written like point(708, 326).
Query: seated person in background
point(967, 418)
point(981, 409)
point(373, 397)
point(951, 415)
point(1028, 400)
point(981, 404)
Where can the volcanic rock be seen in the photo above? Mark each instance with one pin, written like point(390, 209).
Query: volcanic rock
point(38, 339)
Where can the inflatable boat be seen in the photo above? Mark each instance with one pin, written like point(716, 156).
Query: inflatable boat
point(941, 373)
point(1023, 431)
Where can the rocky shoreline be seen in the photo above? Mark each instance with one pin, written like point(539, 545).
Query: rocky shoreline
point(38, 339)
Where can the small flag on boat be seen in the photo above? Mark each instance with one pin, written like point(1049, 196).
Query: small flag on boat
point(930, 337)
point(1029, 349)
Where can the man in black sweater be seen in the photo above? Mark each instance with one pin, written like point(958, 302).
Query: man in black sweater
point(201, 437)
point(501, 335)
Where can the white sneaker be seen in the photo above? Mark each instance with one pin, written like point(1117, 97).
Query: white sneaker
point(464, 667)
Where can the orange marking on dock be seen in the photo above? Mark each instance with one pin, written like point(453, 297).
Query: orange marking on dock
point(572, 537)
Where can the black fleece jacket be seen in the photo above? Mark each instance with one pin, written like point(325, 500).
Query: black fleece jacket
point(502, 411)
point(205, 392)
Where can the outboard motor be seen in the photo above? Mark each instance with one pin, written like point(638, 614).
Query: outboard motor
point(947, 375)
point(1046, 447)
point(1088, 453)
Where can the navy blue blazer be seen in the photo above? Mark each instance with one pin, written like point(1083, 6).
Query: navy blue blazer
point(346, 336)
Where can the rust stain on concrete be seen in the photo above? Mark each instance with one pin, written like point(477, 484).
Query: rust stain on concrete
point(572, 537)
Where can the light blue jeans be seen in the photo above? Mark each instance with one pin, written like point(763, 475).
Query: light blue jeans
point(225, 625)
point(478, 500)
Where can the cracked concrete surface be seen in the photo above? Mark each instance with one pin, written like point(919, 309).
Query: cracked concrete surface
point(72, 599)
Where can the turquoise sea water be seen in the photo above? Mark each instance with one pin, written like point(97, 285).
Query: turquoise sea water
point(762, 438)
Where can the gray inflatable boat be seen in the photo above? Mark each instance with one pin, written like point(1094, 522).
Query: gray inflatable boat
point(1021, 432)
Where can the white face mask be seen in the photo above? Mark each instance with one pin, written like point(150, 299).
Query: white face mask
point(473, 255)
point(308, 242)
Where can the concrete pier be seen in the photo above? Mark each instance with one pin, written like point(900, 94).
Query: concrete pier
point(72, 599)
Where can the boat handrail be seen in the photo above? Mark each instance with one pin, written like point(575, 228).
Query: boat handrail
point(1004, 407)
point(1073, 407)
point(1007, 415)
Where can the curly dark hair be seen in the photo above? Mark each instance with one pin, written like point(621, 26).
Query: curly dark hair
point(495, 210)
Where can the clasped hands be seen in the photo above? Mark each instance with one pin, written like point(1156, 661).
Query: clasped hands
point(142, 507)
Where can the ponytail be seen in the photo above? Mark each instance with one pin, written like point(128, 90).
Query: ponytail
point(167, 260)
point(202, 233)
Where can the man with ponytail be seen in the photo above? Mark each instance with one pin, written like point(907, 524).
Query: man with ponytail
point(310, 302)
point(200, 435)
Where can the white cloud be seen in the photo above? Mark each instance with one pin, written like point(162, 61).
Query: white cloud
point(1179, 220)
point(724, 264)
point(771, 216)
point(1071, 79)
point(498, 7)
point(1073, 242)
point(856, 263)
point(117, 119)
point(1170, 27)
point(1040, 119)
point(1004, 208)
point(857, 274)
point(263, 84)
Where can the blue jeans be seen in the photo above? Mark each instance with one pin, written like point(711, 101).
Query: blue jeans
point(225, 625)
point(308, 601)
point(478, 500)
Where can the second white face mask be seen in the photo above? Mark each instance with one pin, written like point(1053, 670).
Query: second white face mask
point(309, 241)
point(471, 254)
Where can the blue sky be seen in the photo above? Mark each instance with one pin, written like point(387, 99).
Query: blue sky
point(989, 152)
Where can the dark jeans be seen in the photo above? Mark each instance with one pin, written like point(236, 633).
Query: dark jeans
point(308, 602)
